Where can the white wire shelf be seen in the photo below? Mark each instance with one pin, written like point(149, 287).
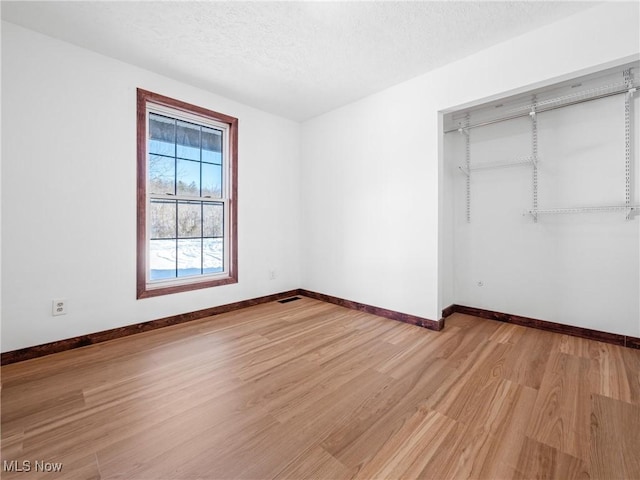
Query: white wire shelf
point(502, 164)
point(578, 97)
point(628, 87)
point(628, 209)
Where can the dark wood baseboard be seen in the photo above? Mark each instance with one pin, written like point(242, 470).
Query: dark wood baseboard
point(437, 325)
point(106, 335)
point(99, 337)
point(613, 338)
point(632, 342)
point(381, 312)
point(446, 312)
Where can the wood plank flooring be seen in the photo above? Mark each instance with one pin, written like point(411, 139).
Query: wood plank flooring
point(308, 389)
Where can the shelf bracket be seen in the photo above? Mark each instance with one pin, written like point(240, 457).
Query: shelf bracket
point(465, 131)
point(628, 79)
point(534, 156)
point(533, 213)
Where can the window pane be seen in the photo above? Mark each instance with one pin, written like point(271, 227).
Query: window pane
point(163, 219)
point(188, 173)
point(211, 180)
point(211, 145)
point(213, 255)
point(162, 135)
point(162, 259)
point(189, 219)
point(213, 219)
point(162, 174)
point(188, 140)
point(189, 257)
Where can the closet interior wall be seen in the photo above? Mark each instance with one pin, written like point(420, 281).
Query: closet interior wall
point(580, 269)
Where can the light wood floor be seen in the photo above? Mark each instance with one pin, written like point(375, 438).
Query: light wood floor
point(311, 390)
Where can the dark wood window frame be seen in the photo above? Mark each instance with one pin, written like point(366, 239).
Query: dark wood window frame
point(144, 290)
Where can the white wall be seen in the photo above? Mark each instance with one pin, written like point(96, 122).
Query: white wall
point(373, 188)
point(69, 193)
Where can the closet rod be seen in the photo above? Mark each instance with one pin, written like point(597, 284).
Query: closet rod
point(541, 110)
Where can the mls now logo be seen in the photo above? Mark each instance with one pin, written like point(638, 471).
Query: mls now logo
point(28, 466)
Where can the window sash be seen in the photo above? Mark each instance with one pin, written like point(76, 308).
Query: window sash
point(224, 199)
point(177, 237)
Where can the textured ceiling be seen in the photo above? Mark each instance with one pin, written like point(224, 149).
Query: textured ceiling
point(295, 59)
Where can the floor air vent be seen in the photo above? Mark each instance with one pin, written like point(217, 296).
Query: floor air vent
point(290, 299)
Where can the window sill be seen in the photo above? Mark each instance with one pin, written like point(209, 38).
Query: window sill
point(147, 291)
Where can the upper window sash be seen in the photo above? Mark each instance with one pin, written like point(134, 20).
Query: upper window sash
point(225, 162)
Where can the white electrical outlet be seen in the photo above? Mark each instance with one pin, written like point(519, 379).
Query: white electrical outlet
point(59, 307)
point(272, 274)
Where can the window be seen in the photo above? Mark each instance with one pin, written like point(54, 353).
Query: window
point(187, 201)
